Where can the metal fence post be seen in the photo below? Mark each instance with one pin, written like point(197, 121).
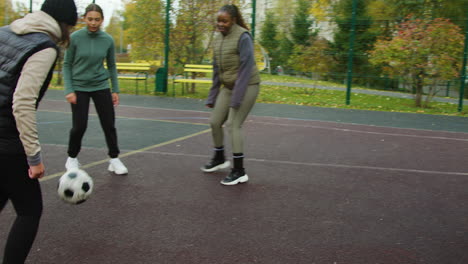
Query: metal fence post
point(254, 11)
point(463, 69)
point(351, 53)
point(166, 48)
point(166, 36)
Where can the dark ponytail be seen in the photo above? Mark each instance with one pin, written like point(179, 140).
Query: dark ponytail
point(65, 39)
point(233, 11)
point(94, 7)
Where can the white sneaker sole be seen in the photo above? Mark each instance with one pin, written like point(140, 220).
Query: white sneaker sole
point(225, 165)
point(111, 169)
point(241, 179)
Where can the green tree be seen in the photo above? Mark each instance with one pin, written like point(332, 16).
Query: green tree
point(115, 29)
point(285, 51)
point(193, 31)
point(364, 40)
point(7, 13)
point(302, 23)
point(321, 9)
point(395, 11)
point(285, 14)
point(269, 34)
point(422, 52)
point(144, 29)
point(313, 58)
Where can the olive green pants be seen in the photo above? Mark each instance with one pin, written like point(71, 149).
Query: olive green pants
point(234, 117)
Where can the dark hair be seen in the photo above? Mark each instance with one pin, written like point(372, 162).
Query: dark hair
point(93, 7)
point(233, 11)
point(65, 39)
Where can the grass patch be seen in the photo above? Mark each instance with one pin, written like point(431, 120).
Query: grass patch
point(302, 96)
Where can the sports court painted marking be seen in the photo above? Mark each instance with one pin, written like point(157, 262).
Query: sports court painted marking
point(130, 118)
point(313, 164)
point(143, 107)
point(47, 123)
point(366, 132)
point(130, 153)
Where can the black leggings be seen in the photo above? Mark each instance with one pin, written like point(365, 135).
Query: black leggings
point(105, 109)
point(25, 195)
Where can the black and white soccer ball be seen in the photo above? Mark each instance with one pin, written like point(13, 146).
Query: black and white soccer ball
point(75, 186)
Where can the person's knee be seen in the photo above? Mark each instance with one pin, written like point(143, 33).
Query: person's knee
point(79, 130)
point(233, 126)
point(215, 124)
point(34, 210)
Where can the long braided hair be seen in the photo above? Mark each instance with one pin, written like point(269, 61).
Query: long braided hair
point(233, 11)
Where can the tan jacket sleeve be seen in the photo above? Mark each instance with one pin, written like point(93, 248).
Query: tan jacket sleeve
point(33, 75)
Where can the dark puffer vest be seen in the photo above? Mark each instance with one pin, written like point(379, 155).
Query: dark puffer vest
point(14, 52)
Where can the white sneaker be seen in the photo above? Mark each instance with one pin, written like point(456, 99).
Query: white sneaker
point(116, 166)
point(72, 163)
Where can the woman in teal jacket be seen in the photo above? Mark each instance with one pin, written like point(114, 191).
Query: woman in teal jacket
point(85, 78)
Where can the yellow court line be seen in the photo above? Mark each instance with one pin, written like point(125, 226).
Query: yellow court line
point(55, 175)
point(144, 119)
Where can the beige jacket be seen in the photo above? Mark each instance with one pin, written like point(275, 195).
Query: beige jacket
point(32, 77)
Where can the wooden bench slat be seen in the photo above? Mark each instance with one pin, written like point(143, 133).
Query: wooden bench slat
point(141, 70)
point(192, 81)
point(198, 66)
point(197, 70)
point(193, 68)
point(125, 64)
point(132, 77)
point(133, 68)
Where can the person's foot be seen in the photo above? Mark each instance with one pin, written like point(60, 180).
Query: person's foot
point(236, 176)
point(215, 165)
point(116, 166)
point(72, 163)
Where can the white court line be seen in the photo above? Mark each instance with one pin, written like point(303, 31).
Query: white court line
point(301, 163)
point(366, 132)
point(314, 164)
point(48, 177)
point(147, 107)
point(311, 120)
point(309, 164)
point(320, 127)
point(125, 118)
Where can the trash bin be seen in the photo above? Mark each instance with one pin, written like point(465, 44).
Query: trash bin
point(161, 80)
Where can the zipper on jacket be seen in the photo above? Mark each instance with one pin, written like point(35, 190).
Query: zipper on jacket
point(221, 60)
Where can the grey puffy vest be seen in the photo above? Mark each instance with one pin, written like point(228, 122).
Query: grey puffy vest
point(14, 52)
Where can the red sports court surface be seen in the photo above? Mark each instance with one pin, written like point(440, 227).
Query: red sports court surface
point(361, 187)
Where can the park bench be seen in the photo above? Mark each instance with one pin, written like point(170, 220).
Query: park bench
point(139, 72)
point(188, 78)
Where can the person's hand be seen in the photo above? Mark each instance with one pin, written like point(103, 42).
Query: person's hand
point(71, 98)
point(115, 99)
point(37, 171)
point(209, 105)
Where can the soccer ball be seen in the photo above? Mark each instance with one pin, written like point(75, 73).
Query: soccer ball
point(75, 186)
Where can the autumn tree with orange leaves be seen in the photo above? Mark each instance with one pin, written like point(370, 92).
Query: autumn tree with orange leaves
point(421, 52)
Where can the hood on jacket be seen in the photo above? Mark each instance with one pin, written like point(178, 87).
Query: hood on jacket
point(37, 22)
